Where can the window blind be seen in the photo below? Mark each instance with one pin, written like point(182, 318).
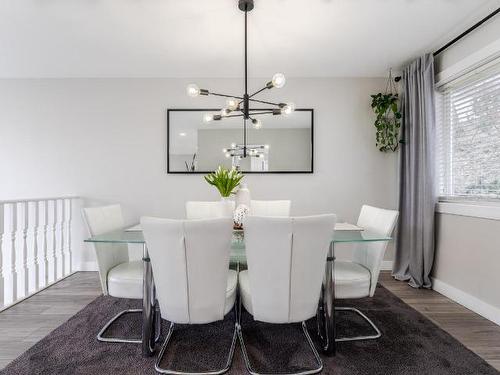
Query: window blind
point(468, 147)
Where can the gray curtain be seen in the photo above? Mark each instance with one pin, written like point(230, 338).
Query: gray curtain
point(417, 193)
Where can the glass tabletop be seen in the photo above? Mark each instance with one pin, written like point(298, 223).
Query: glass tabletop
point(238, 243)
point(339, 236)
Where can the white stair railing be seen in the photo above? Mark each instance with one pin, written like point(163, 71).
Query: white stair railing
point(35, 245)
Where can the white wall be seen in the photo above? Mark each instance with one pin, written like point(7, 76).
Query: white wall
point(466, 267)
point(104, 139)
point(467, 260)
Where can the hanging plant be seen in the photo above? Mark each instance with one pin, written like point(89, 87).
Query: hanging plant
point(388, 121)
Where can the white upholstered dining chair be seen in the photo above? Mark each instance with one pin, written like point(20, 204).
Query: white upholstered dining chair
point(209, 210)
point(288, 254)
point(119, 277)
point(270, 208)
point(190, 261)
point(358, 278)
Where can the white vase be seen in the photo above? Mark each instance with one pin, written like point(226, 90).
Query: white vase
point(243, 196)
point(227, 207)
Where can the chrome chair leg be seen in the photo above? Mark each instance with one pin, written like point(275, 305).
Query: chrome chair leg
point(174, 372)
point(100, 336)
point(377, 335)
point(305, 372)
point(157, 321)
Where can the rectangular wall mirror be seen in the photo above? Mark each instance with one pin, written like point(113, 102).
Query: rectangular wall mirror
point(284, 144)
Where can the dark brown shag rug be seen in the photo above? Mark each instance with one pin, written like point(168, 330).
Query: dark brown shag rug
point(411, 344)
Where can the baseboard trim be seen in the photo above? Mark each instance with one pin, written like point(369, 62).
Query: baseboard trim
point(386, 265)
point(88, 266)
point(480, 307)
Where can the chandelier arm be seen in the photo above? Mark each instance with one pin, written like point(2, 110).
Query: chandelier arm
point(233, 116)
point(262, 113)
point(264, 102)
point(225, 96)
point(258, 91)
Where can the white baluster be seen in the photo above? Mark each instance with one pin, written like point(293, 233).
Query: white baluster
point(43, 262)
point(2, 282)
point(60, 238)
point(52, 240)
point(67, 248)
point(35, 245)
point(22, 250)
point(33, 262)
point(10, 273)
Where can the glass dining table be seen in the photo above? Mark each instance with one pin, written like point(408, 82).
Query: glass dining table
point(326, 305)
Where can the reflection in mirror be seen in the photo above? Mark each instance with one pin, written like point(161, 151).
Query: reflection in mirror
point(282, 144)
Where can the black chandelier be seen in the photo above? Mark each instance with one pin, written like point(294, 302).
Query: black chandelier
point(239, 106)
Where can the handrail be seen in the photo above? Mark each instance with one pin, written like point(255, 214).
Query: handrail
point(10, 201)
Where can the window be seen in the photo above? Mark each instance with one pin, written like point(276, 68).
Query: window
point(468, 112)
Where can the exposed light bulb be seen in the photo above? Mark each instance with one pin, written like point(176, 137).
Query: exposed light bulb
point(233, 145)
point(225, 112)
point(228, 155)
point(224, 150)
point(266, 147)
point(257, 124)
point(193, 90)
point(182, 134)
point(232, 104)
point(288, 109)
point(208, 117)
point(279, 80)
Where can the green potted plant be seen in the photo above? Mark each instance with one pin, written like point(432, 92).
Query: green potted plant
point(388, 121)
point(225, 180)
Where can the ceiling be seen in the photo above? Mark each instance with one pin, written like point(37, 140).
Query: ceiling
point(203, 38)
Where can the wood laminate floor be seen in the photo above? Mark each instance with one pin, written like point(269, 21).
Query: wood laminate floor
point(24, 324)
point(29, 321)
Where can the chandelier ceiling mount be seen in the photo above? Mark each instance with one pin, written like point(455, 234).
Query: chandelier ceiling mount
point(239, 106)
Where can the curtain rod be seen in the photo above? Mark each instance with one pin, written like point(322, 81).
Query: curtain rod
point(469, 30)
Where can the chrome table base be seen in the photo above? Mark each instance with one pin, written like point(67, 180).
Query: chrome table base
point(150, 312)
point(326, 307)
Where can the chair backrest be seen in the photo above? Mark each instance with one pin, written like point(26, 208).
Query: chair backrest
point(209, 210)
point(371, 254)
point(270, 208)
point(99, 220)
point(286, 263)
point(190, 261)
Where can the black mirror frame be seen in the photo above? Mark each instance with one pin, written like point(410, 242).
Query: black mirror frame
point(244, 172)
